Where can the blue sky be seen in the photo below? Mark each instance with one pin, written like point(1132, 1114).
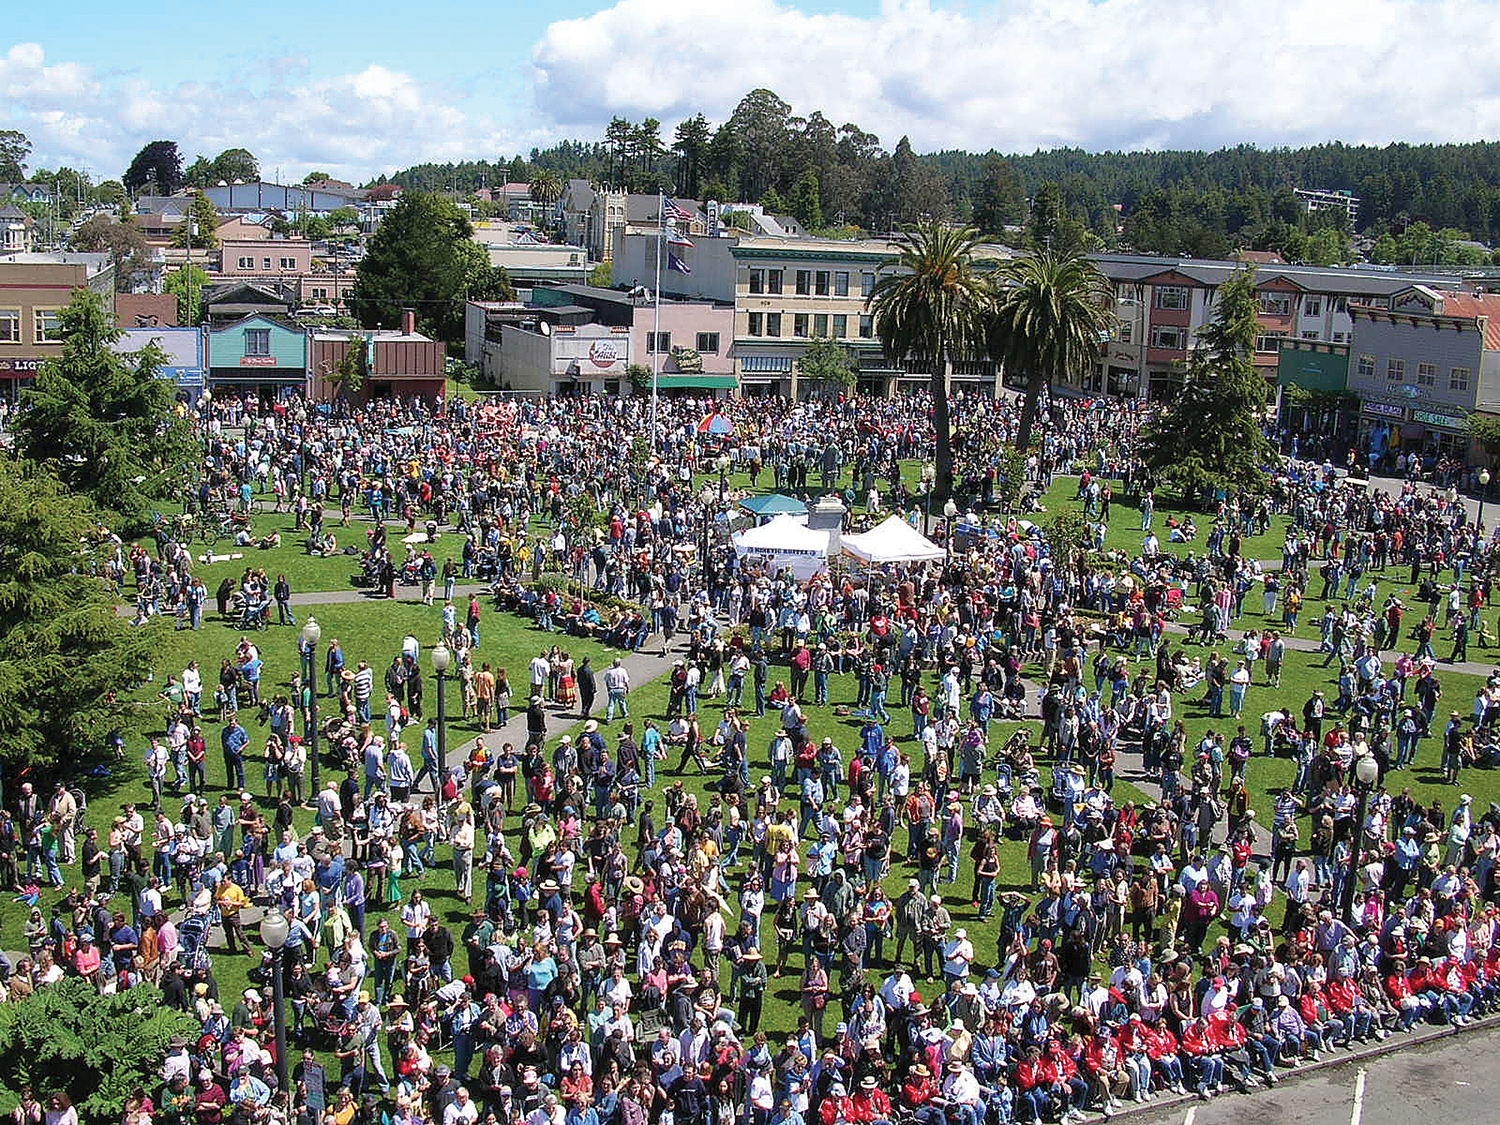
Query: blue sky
point(358, 90)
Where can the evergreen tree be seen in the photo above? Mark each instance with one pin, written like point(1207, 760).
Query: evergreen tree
point(999, 201)
point(422, 257)
point(103, 420)
point(63, 648)
point(804, 203)
point(201, 225)
point(1210, 437)
point(158, 165)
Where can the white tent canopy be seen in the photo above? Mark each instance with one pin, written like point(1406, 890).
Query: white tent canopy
point(894, 541)
point(785, 541)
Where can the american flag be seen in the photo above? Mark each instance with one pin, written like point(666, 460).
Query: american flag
point(671, 209)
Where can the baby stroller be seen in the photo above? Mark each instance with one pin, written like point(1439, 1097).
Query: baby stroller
point(192, 939)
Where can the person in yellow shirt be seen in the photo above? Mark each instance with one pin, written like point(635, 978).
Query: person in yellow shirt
point(232, 899)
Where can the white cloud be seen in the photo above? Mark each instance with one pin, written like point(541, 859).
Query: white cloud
point(1026, 73)
point(353, 125)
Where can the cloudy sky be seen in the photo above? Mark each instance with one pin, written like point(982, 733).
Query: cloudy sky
point(380, 86)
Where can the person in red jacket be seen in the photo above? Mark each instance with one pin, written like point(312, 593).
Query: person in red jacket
point(1161, 1045)
point(1036, 1085)
point(870, 1104)
point(1230, 1037)
point(1349, 1005)
point(1075, 1091)
point(837, 1106)
point(1320, 1018)
point(1105, 1068)
point(917, 1093)
point(1398, 987)
point(1198, 1043)
point(1133, 1053)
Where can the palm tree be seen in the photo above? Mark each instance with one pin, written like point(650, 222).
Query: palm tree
point(1051, 310)
point(928, 307)
point(546, 189)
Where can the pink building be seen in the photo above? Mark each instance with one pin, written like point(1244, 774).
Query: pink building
point(268, 258)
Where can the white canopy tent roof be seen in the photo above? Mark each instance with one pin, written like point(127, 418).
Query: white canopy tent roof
point(785, 541)
point(894, 541)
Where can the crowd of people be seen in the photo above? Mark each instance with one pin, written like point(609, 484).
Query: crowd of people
point(772, 931)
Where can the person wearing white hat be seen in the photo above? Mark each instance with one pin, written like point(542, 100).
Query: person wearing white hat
point(958, 953)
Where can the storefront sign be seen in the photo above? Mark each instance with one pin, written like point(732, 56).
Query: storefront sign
point(11, 365)
point(1432, 418)
point(1385, 410)
point(257, 361)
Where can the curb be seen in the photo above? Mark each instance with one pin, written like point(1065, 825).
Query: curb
point(1343, 1058)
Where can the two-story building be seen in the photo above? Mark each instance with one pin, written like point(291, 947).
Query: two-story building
point(399, 363)
point(257, 356)
point(1421, 362)
point(34, 288)
point(1162, 303)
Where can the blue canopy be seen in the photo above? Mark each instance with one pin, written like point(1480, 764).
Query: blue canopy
point(763, 507)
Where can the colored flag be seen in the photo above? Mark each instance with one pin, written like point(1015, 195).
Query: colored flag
point(676, 263)
point(676, 238)
point(671, 209)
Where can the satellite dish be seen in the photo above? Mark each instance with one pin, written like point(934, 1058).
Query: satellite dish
point(544, 328)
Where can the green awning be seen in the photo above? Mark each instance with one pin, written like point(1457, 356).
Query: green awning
point(717, 382)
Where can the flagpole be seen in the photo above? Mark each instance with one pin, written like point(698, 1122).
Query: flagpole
point(661, 224)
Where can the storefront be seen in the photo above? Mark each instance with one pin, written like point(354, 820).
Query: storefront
point(257, 357)
point(1380, 426)
point(1436, 431)
point(1314, 397)
point(16, 374)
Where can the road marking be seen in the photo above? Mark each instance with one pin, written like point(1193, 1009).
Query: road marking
point(1192, 1113)
point(1359, 1098)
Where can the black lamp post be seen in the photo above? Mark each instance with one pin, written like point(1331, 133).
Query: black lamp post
point(442, 658)
point(1484, 486)
point(1366, 771)
point(274, 929)
point(950, 513)
point(312, 632)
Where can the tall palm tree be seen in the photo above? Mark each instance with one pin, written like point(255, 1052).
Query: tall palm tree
point(928, 306)
point(546, 189)
point(1051, 310)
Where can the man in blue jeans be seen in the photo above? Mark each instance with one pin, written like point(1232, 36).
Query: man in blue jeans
point(233, 740)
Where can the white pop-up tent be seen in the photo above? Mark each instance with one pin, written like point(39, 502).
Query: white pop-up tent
point(785, 541)
point(894, 541)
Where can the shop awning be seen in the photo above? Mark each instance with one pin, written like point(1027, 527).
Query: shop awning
point(716, 382)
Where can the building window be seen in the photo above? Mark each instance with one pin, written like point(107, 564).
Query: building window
point(46, 327)
point(247, 263)
point(1395, 371)
point(1458, 379)
point(866, 283)
point(1125, 331)
point(708, 342)
point(257, 341)
point(1269, 343)
point(866, 326)
point(841, 283)
point(10, 326)
point(1313, 335)
point(1171, 337)
point(288, 263)
point(1171, 297)
point(840, 326)
point(773, 281)
point(757, 281)
point(267, 263)
point(1340, 304)
point(319, 294)
point(1276, 304)
point(1367, 367)
point(1338, 337)
point(804, 283)
point(820, 283)
point(1313, 306)
point(773, 324)
point(1426, 374)
point(820, 325)
point(755, 324)
point(799, 324)
point(658, 342)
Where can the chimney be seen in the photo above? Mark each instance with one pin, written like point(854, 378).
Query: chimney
point(408, 322)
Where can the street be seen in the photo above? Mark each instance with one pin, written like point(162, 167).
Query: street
point(1443, 1081)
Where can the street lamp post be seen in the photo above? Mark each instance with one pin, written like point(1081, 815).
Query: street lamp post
point(441, 659)
point(929, 474)
point(1484, 486)
point(312, 632)
point(1366, 771)
point(950, 512)
point(273, 931)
